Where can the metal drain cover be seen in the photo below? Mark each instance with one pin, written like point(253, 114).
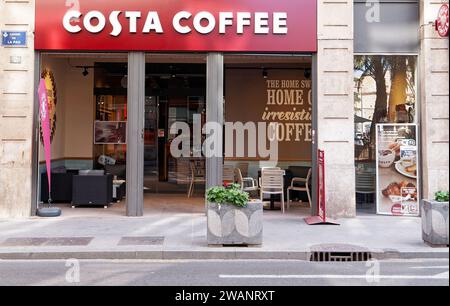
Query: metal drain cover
point(16, 242)
point(61, 241)
point(339, 253)
point(129, 241)
point(69, 241)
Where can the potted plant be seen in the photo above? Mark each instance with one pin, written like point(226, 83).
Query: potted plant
point(435, 220)
point(232, 218)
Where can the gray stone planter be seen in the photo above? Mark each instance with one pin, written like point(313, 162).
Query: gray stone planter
point(435, 222)
point(231, 225)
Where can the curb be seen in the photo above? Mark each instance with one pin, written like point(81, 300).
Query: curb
point(200, 255)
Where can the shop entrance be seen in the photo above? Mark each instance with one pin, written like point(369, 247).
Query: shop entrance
point(100, 110)
point(175, 93)
point(88, 111)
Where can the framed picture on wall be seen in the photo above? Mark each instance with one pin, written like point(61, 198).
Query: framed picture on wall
point(110, 132)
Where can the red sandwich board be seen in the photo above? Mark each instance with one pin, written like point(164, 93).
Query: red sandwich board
point(321, 217)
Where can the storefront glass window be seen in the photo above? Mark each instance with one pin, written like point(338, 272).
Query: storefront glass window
point(110, 125)
point(385, 91)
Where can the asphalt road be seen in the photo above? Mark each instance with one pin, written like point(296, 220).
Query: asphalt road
point(223, 273)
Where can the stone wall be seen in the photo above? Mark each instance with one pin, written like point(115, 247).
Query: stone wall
point(434, 100)
point(335, 104)
point(16, 111)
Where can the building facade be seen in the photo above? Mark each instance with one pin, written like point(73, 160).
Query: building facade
point(346, 32)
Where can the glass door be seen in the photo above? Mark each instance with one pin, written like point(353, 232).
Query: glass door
point(151, 173)
point(175, 93)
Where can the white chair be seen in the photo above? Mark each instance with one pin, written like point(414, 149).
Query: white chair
point(267, 168)
point(228, 174)
point(366, 184)
point(197, 177)
point(244, 168)
point(270, 168)
point(248, 184)
point(272, 182)
point(295, 186)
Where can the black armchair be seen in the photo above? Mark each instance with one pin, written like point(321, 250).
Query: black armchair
point(92, 190)
point(61, 187)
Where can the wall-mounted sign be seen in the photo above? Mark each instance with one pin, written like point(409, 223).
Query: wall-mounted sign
point(14, 38)
point(175, 25)
point(442, 22)
point(15, 59)
point(397, 170)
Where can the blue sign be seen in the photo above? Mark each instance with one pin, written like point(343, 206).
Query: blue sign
point(14, 38)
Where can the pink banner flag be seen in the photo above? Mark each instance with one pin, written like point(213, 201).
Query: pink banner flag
point(45, 126)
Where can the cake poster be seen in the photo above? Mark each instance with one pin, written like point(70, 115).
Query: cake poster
point(397, 170)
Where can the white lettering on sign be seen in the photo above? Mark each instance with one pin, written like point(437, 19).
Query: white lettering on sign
point(182, 29)
point(211, 22)
point(90, 25)
point(153, 23)
point(67, 21)
point(243, 19)
point(183, 22)
point(133, 18)
point(225, 20)
point(261, 23)
point(114, 20)
point(280, 23)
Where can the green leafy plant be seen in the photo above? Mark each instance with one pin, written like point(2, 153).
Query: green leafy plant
point(442, 196)
point(228, 194)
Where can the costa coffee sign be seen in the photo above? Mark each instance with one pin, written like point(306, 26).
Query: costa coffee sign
point(442, 22)
point(177, 25)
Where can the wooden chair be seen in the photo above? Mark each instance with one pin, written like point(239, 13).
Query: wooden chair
point(197, 177)
point(300, 184)
point(228, 174)
point(272, 182)
point(244, 168)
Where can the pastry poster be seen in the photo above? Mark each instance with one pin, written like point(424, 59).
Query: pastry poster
point(397, 170)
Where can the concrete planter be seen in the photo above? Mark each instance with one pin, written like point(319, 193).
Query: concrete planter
point(435, 222)
point(231, 225)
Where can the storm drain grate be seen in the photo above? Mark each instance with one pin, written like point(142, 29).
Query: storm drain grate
point(340, 256)
point(146, 241)
point(339, 253)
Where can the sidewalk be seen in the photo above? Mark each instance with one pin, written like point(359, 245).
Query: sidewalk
point(167, 234)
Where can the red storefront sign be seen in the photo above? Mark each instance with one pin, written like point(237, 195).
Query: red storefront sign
point(177, 25)
point(442, 22)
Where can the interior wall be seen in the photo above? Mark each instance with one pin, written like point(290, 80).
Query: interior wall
point(259, 94)
point(79, 121)
point(73, 139)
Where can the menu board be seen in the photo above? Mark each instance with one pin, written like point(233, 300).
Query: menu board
point(397, 170)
